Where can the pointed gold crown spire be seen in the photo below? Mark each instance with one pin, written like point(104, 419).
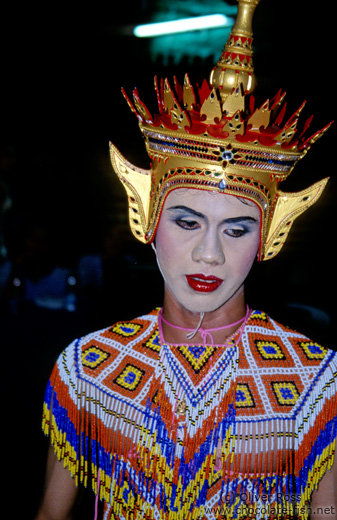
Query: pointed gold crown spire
point(213, 137)
point(235, 65)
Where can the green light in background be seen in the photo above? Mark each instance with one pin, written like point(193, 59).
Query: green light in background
point(183, 25)
point(199, 43)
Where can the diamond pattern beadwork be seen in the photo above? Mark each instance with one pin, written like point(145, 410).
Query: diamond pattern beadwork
point(173, 429)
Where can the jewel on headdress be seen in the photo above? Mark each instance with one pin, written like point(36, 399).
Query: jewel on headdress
point(227, 155)
point(222, 184)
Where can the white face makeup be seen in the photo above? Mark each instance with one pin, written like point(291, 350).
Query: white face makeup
point(206, 244)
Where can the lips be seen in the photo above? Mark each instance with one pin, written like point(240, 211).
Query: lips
point(201, 283)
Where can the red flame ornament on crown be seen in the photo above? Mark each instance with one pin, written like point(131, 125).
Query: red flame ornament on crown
point(214, 138)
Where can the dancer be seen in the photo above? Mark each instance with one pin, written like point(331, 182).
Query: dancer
point(203, 408)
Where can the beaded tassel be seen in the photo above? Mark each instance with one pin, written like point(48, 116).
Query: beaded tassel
point(150, 462)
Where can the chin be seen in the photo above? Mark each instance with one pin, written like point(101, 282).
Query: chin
point(200, 304)
point(197, 302)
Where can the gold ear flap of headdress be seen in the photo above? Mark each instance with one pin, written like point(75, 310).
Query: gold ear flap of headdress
point(287, 208)
point(138, 186)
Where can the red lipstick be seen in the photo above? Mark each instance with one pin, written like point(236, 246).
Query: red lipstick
point(202, 283)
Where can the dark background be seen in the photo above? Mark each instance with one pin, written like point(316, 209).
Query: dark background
point(62, 70)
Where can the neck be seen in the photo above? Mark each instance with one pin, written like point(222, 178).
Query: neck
point(223, 319)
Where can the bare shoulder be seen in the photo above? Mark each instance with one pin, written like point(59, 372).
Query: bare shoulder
point(60, 492)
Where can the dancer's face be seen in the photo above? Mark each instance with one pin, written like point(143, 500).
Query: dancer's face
point(206, 244)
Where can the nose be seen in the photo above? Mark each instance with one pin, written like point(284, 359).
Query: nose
point(209, 249)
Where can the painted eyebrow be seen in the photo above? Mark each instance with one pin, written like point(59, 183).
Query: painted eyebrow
point(230, 220)
point(187, 209)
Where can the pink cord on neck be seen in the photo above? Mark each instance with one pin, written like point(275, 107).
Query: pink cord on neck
point(203, 332)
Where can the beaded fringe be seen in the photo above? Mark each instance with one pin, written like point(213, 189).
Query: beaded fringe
point(91, 431)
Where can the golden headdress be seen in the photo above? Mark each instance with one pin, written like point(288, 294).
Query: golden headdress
point(214, 138)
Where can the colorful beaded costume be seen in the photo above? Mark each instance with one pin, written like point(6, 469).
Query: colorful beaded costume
point(182, 432)
point(244, 430)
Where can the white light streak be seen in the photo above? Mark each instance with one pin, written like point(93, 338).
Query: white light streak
point(183, 25)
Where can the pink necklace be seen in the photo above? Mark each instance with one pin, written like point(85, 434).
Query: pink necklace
point(203, 332)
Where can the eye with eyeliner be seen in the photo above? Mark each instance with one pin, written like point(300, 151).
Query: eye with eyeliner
point(186, 223)
point(190, 220)
point(240, 230)
point(190, 225)
point(236, 233)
